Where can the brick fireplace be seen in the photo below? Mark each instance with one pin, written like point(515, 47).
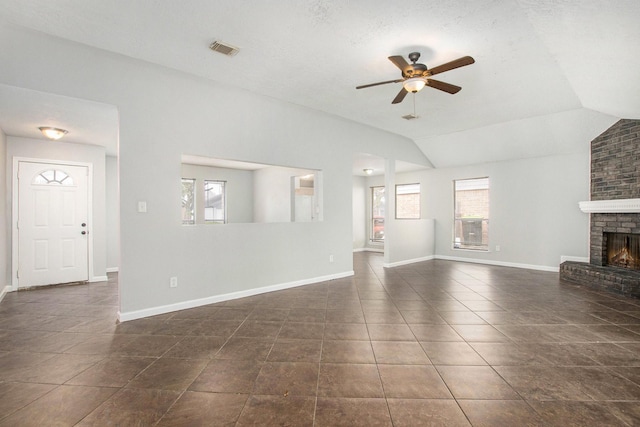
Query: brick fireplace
point(614, 211)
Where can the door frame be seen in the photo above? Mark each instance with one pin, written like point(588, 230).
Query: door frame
point(15, 242)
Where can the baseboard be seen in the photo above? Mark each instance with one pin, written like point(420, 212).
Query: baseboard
point(154, 311)
point(379, 250)
point(98, 279)
point(500, 263)
point(564, 258)
point(409, 261)
point(4, 291)
point(113, 269)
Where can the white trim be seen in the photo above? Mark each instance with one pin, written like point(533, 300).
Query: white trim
point(15, 244)
point(98, 279)
point(500, 263)
point(4, 291)
point(487, 262)
point(154, 311)
point(610, 206)
point(112, 269)
point(473, 251)
point(564, 258)
point(408, 261)
point(378, 250)
point(367, 249)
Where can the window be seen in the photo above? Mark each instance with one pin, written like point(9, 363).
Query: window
point(188, 201)
point(54, 177)
point(377, 214)
point(215, 206)
point(471, 217)
point(408, 201)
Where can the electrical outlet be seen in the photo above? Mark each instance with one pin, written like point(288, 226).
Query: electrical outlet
point(173, 282)
point(497, 248)
point(330, 258)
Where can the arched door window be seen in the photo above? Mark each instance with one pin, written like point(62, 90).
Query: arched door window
point(53, 177)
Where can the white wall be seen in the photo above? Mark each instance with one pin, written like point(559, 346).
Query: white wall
point(5, 222)
point(272, 193)
point(406, 240)
point(112, 202)
point(239, 189)
point(165, 114)
point(55, 150)
point(412, 240)
point(409, 240)
point(534, 214)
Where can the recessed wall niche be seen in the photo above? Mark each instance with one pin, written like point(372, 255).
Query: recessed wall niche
point(230, 191)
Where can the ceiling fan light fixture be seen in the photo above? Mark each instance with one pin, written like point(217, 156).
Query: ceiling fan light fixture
point(415, 84)
point(367, 171)
point(53, 133)
point(416, 76)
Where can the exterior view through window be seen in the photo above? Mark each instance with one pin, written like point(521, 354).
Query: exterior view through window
point(408, 201)
point(471, 214)
point(377, 214)
point(214, 202)
point(188, 201)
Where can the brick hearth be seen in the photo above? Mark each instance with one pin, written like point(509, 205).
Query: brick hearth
point(611, 279)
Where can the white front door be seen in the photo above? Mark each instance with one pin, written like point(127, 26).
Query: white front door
point(52, 224)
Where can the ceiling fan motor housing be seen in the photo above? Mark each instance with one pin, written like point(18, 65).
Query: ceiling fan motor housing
point(414, 70)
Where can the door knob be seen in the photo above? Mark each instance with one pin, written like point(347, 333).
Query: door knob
point(83, 224)
point(83, 232)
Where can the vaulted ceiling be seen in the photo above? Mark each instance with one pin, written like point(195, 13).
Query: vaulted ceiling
point(549, 75)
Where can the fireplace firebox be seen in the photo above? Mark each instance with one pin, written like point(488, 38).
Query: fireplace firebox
point(623, 250)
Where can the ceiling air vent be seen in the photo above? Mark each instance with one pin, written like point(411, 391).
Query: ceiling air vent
point(223, 48)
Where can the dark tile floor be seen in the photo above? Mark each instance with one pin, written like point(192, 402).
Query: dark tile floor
point(432, 343)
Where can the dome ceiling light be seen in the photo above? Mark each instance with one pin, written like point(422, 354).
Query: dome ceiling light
point(53, 133)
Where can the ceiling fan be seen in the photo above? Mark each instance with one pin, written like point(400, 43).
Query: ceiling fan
point(416, 76)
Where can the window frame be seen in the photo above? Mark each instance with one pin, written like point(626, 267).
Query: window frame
point(458, 219)
point(376, 220)
point(419, 199)
point(191, 221)
point(224, 201)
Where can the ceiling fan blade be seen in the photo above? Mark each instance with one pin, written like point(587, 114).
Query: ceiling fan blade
point(399, 61)
point(457, 63)
point(446, 87)
point(379, 83)
point(400, 96)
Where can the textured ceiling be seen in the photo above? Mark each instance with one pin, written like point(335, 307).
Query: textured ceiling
point(549, 74)
point(23, 111)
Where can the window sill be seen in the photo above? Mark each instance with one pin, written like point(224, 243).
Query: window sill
point(470, 250)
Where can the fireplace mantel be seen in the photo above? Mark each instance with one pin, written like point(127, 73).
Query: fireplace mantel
point(610, 206)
